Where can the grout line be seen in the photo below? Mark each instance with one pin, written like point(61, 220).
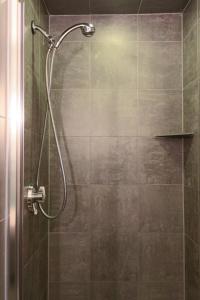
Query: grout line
point(107, 15)
point(140, 5)
point(187, 5)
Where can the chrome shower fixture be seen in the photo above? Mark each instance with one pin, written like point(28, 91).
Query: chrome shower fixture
point(87, 30)
point(35, 195)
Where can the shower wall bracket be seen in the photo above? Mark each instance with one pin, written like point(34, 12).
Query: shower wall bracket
point(33, 197)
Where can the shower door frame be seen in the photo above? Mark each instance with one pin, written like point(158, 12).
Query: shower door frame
point(14, 47)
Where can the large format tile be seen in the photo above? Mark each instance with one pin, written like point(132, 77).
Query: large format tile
point(120, 26)
point(69, 257)
point(113, 291)
point(114, 160)
point(114, 208)
point(161, 257)
point(71, 66)
point(191, 107)
point(76, 216)
point(161, 208)
point(163, 27)
point(114, 64)
point(160, 6)
point(113, 7)
point(114, 256)
point(161, 291)
point(72, 111)
point(160, 161)
point(156, 72)
point(114, 113)
point(69, 291)
point(192, 271)
point(160, 112)
point(75, 153)
point(190, 56)
point(189, 17)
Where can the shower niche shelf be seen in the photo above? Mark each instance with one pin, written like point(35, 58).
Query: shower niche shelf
point(176, 135)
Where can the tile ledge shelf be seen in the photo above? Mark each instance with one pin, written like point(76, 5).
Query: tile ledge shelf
point(176, 135)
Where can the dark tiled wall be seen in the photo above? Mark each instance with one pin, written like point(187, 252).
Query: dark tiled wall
point(121, 235)
point(191, 149)
point(35, 228)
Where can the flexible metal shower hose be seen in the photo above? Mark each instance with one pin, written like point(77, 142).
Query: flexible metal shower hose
point(49, 111)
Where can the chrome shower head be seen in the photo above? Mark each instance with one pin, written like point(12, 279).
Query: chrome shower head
point(88, 30)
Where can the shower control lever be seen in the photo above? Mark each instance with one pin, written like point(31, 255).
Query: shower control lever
point(33, 197)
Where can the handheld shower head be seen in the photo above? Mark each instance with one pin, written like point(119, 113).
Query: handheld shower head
point(88, 30)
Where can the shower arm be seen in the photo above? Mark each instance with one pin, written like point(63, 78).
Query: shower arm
point(49, 37)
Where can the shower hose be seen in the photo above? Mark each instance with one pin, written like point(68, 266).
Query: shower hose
point(48, 79)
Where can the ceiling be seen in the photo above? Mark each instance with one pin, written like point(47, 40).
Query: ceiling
point(74, 7)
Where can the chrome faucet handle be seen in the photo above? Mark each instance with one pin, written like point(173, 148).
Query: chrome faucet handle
point(33, 197)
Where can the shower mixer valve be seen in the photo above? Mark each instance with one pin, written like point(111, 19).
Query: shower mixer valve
point(33, 196)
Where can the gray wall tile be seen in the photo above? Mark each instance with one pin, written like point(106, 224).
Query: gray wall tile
point(189, 17)
point(109, 68)
point(161, 257)
point(156, 72)
point(190, 57)
point(168, 291)
point(160, 112)
point(72, 111)
point(163, 27)
point(71, 291)
point(112, 110)
point(69, 257)
point(160, 162)
point(161, 209)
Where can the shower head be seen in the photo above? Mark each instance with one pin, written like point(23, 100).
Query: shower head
point(87, 30)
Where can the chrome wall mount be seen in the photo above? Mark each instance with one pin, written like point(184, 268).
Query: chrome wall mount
point(33, 197)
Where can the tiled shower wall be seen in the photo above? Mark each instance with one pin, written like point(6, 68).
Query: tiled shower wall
point(121, 235)
point(35, 228)
point(191, 27)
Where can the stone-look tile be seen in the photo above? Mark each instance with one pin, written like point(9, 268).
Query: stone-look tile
point(156, 72)
point(2, 167)
point(69, 257)
point(189, 17)
point(191, 163)
point(113, 7)
point(71, 66)
point(161, 291)
point(160, 161)
point(2, 259)
point(161, 257)
point(114, 160)
point(160, 112)
point(60, 23)
point(114, 113)
point(75, 151)
point(114, 208)
point(160, 6)
point(163, 27)
point(190, 57)
point(192, 270)
point(191, 107)
point(109, 68)
point(69, 291)
point(161, 209)
point(120, 26)
point(35, 273)
point(191, 215)
point(113, 290)
point(114, 256)
point(72, 111)
point(73, 8)
point(76, 216)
